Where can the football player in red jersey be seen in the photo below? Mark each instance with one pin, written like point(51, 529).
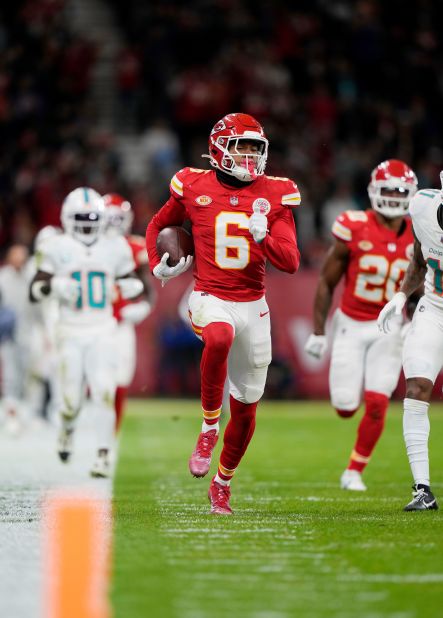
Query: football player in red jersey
point(128, 313)
point(240, 218)
point(372, 250)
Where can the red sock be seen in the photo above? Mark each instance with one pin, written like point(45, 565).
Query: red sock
point(238, 434)
point(119, 404)
point(218, 338)
point(369, 430)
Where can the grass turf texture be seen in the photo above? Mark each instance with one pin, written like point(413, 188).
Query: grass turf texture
point(297, 545)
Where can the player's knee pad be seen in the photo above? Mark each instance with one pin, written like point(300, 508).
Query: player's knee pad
point(344, 401)
point(250, 390)
point(253, 393)
point(376, 405)
point(218, 337)
point(103, 391)
point(105, 397)
point(68, 411)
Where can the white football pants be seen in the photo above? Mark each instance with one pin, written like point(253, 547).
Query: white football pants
point(89, 359)
point(362, 358)
point(251, 350)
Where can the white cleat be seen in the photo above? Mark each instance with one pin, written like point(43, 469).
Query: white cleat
point(101, 468)
point(64, 444)
point(351, 480)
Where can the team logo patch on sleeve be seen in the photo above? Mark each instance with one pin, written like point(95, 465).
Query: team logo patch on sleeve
point(261, 206)
point(203, 200)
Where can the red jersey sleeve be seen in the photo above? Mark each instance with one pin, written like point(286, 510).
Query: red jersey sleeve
point(173, 212)
point(280, 245)
point(347, 225)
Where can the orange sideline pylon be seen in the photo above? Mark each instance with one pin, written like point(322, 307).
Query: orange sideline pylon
point(76, 556)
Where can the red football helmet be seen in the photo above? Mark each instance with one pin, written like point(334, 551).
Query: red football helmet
point(392, 175)
point(229, 131)
point(119, 214)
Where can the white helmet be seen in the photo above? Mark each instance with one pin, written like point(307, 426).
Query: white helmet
point(83, 215)
point(45, 234)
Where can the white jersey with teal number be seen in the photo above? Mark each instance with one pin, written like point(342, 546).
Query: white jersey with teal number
point(95, 268)
point(423, 209)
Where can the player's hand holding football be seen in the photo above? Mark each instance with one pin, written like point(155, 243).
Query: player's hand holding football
point(164, 272)
point(316, 345)
point(258, 226)
point(65, 289)
point(389, 318)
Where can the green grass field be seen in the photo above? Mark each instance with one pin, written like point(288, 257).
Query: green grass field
point(297, 545)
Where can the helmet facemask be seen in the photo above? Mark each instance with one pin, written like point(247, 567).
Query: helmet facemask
point(83, 215)
point(252, 164)
point(390, 206)
point(392, 185)
point(86, 227)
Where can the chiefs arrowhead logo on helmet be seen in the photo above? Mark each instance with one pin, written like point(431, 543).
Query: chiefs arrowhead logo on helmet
point(219, 126)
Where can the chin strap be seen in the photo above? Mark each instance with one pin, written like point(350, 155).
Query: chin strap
point(232, 181)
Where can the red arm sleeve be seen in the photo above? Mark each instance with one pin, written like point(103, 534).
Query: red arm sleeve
point(171, 213)
point(280, 245)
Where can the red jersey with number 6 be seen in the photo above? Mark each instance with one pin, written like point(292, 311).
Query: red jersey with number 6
point(378, 259)
point(228, 263)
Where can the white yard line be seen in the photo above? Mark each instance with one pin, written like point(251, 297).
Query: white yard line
point(29, 472)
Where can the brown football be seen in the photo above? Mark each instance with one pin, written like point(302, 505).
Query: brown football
point(176, 241)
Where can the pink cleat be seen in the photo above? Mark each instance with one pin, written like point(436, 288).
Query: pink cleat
point(201, 457)
point(219, 496)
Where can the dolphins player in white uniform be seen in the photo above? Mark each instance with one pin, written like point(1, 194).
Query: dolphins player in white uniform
point(423, 346)
point(81, 268)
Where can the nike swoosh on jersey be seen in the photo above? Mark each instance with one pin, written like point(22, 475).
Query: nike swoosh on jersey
point(262, 314)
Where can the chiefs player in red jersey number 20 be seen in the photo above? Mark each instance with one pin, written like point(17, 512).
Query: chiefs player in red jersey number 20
point(240, 218)
point(372, 250)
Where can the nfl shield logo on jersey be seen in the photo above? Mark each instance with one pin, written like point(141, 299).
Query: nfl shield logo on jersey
point(261, 206)
point(233, 200)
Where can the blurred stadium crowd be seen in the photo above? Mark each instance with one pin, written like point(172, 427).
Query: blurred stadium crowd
point(339, 86)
